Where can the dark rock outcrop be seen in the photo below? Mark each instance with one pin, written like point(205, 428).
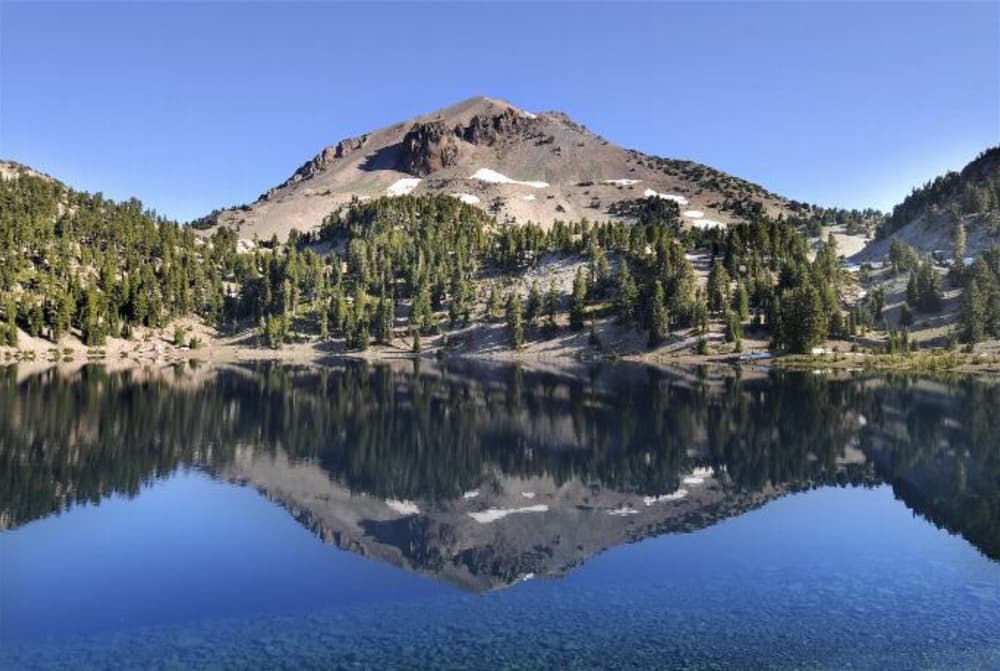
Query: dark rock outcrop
point(428, 147)
point(487, 129)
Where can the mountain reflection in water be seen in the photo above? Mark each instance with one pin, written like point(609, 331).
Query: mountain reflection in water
point(482, 475)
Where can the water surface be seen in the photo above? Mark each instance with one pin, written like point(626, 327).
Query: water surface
point(470, 516)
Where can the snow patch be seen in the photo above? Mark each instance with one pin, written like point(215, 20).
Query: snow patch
point(528, 495)
point(693, 214)
point(673, 496)
point(623, 511)
point(528, 197)
point(470, 495)
point(680, 200)
point(528, 115)
point(403, 507)
point(494, 514)
point(621, 182)
point(403, 186)
point(697, 476)
point(494, 177)
point(467, 198)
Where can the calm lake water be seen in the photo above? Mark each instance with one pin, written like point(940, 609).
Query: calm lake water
point(468, 516)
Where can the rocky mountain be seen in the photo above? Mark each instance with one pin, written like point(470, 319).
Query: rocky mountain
point(515, 164)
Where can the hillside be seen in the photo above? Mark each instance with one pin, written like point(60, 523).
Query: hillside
point(419, 269)
point(928, 219)
point(935, 262)
point(78, 265)
point(515, 164)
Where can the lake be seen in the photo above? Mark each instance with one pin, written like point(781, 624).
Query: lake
point(463, 515)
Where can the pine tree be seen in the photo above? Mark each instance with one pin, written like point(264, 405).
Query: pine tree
point(741, 302)
point(93, 331)
point(494, 304)
point(718, 287)
point(535, 301)
point(961, 242)
point(923, 290)
point(578, 300)
point(35, 318)
point(386, 319)
point(420, 309)
point(803, 320)
point(972, 317)
point(515, 319)
point(658, 319)
point(905, 315)
point(362, 338)
point(734, 327)
point(600, 269)
point(461, 297)
point(324, 322)
point(626, 295)
point(553, 302)
point(10, 314)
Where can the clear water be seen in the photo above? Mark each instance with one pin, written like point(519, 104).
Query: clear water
point(179, 521)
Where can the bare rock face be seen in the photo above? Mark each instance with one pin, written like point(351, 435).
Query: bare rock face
point(485, 129)
point(320, 162)
point(347, 147)
point(428, 147)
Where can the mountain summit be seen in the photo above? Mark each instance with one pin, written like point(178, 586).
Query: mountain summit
point(518, 165)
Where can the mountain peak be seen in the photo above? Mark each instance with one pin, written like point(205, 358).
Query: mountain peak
point(486, 152)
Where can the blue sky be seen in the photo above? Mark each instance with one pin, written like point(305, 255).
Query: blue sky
point(196, 106)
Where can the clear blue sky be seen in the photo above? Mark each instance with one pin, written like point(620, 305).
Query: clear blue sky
point(195, 106)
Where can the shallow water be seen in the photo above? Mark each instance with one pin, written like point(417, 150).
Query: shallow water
point(292, 518)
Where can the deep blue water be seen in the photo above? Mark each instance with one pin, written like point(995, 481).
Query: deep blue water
point(191, 569)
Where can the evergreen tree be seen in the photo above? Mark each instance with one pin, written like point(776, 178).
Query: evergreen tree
point(515, 319)
point(362, 338)
point(578, 300)
point(803, 319)
point(386, 319)
point(324, 321)
point(553, 303)
point(923, 289)
point(741, 302)
point(535, 300)
point(718, 288)
point(494, 304)
point(626, 295)
point(979, 313)
point(734, 327)
point(420, 309)
point(10, 314)
point(658, 320)
point(961, 241)
point(461, 297)
point(905, 315)
point(93, 330)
